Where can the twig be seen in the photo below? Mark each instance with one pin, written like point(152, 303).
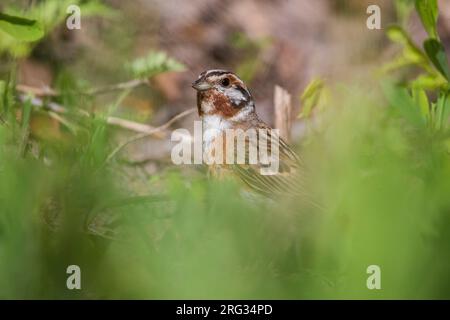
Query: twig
point(40, 92)
point(114, 121)
point(72, 127)
point(36, 102)
point(283, 109)
point(133, 126)
point(118, 86)
point(49, 92)
point(149, 133)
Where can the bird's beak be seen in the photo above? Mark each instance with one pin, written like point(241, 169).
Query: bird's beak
point(201, 85)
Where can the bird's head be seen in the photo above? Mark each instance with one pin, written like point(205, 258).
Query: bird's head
point(222, 93)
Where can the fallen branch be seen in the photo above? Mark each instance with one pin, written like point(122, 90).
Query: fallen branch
point(118, 86)
point(49, 92)
point(149, 133)
point(40, 92)
point(134, 126)
point(114, 121)
point(52, 106)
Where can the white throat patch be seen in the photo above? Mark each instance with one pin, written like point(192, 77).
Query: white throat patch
point(213, 125)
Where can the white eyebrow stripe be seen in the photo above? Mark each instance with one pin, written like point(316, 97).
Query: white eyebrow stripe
point(217, 72)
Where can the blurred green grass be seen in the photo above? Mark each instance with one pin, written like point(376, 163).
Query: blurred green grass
point(383, 180)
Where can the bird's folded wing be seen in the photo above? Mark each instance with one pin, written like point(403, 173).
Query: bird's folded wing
point(288, 178)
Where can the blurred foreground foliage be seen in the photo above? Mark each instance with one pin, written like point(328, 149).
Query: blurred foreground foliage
point(18, 37)
point(431, 60)
point(378, 159)
point(383, 178)
point(153, 64)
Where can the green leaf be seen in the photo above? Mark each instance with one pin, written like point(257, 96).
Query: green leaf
point(442, 110)
point(26, 114)
point(429, 82)
point(403, 103)
point(428, 12)
point(315, 95)
point(2, 94)
point(21, 28)
point(25, 131)
point(154, 63)
point(397, 34)
point(411, 52)
point(6, 97)
point(97, 8)
point(436, 52)
point(421, 99)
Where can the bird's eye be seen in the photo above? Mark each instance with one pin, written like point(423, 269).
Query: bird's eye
point(225, 82)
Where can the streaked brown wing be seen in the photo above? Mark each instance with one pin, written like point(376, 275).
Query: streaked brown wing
point(288, 179)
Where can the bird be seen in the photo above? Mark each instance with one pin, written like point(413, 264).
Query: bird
point(224, 102)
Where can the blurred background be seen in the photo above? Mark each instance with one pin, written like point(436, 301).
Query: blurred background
point(79, 185)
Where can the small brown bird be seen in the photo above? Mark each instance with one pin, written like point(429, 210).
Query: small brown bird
point(224, 102)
